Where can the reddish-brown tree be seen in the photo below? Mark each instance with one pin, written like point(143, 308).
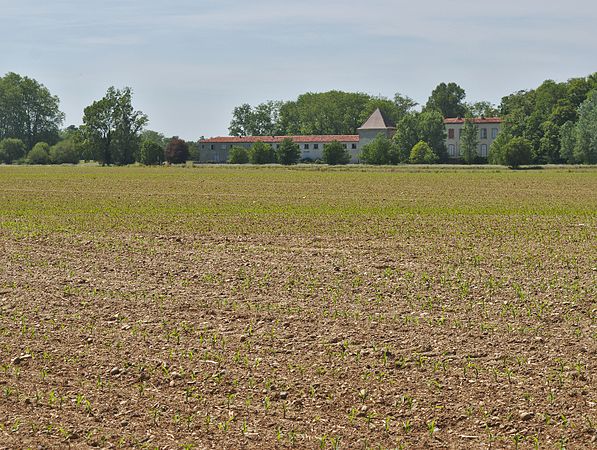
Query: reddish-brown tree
point(177, 151)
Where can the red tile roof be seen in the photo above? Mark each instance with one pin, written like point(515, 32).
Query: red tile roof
point(278, 139)
point(460, 120)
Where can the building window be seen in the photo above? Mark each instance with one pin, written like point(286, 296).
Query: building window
point(451, 133)
point(452, 149)
point(494, 132)
point(483, 151)
point(315, 146)
point(306, 146)
point(211, 147)
point(202, 146)
point(354, 146)
point(483, 133)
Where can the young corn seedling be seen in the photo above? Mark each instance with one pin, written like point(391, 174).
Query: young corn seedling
point(335, 442)
point(323, 442)
point(517, 438)
point(407, 426)
point(386, 423)
point(432, 427)
point(352, 415)
point(369, 417)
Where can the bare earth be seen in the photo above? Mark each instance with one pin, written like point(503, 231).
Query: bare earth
point(272, 308)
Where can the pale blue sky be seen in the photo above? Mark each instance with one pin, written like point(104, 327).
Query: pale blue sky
point(190, 62)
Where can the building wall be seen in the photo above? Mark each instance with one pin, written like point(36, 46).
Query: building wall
point(314, 150)
point(487, 134)
point(218, 152)
point(368, 135)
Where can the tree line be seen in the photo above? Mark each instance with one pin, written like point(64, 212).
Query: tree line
point(112, 131)
point(554, 123)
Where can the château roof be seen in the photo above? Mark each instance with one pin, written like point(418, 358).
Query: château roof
point(377, 121)
point(278, 139)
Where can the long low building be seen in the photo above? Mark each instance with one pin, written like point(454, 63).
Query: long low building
point(216, 149)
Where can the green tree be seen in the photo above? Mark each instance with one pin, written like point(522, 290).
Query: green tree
point(262, 153)
point(431, 129)
point(335, 153)
point(563, 112)
point(194, 151)
point(585, 150)
point(11, 149)
point(242, 121)
point(568, 142)
point(154, 136)
point(405, 105)
point(549, 144)
point(517, 152)
point(577, 90)
point(469, 140)
point(67, 151)
point(261, 120)
point(332, 113)
point(482, 109)
point(496, 151)
point(422, 153)
point(177, 151)
point(539, 115)
point(75, 139)
point(288, 152)
point(379, 151)
point(28, 111)
point(448, 99)
point(238, 155)
point(39, 154)
point(407, 135)
point(151, 153)
point(112, 127)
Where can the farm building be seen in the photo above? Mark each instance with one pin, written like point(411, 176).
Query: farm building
point(216, 149)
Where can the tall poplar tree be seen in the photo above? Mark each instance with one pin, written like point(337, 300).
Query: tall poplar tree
point(112, 127)
point(469, 140)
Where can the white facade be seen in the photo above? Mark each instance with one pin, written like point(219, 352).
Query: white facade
point(489, 128)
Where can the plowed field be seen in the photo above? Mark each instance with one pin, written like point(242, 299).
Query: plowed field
point(223, 307)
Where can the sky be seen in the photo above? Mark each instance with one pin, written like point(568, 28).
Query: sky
point(190, 62)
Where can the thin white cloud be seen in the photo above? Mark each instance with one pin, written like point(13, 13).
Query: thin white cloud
point(120, 40)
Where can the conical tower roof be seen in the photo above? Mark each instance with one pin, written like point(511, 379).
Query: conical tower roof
point(377, 121)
